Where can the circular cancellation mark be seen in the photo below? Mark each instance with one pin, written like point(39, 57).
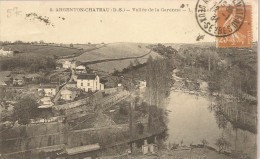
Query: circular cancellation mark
point(220, 18)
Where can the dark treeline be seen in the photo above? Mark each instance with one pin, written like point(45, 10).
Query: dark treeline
point(159, 82)
point(230, 71)
point(30, 63)
point(132, 66)
point(158, 76)
point(166, 51)
point(231, 74)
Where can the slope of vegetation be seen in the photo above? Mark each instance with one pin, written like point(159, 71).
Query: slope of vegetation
point(231, 75)
point(117, 56)
point(46, 50)
point(116, 50)
point(29, 63)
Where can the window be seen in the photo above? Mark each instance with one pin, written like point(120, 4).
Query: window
point(88, 84)
point(81, 84)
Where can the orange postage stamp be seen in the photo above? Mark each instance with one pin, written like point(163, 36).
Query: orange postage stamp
point(243, 36)
point(230, 21)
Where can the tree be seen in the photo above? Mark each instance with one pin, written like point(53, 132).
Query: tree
point(140, 128)
point(2, 93)
point(130, 65)
point(71, 45)
point(136, 62)
point(46, 113)
point(26, 109)
point(204, 143)
point(222, 144)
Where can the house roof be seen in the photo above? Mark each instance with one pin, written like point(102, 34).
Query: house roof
point(87, 76)
point(81, 149)
point(72, 82)
point(80, 67)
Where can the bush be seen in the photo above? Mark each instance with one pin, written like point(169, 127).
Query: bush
point(140, 128)
point(30, 63)
point(123, 110)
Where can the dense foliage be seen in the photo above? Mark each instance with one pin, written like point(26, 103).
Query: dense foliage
point(29, 63)
point(230, 71)
point(166, 51)
point(26, 109)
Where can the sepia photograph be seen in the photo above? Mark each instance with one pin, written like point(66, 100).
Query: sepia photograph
point(117, 79)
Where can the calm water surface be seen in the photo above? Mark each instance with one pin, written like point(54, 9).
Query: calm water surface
point(191, 120)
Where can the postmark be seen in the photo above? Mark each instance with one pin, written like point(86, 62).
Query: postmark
point(220, 18)
point(243, 37)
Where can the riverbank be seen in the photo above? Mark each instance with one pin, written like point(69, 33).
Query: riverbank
point(192, 119)
point(195, 153)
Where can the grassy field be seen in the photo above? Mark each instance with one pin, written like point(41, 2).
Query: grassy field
point(92, 52)
point(117, 51)
point(43, 49)
point(88, 47)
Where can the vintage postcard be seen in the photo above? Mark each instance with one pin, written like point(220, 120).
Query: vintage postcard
point(117, 79)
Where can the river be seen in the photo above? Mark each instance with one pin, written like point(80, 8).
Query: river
point(191, 120)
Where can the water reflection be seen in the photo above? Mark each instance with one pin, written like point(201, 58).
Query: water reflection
point(193, 119)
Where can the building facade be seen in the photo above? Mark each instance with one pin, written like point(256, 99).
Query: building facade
point(69, 64)
point(6, 53)
point(68, 94)
point(48, 90)
point(89, 82)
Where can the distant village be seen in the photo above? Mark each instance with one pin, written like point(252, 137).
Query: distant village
point(77, 83)
point(67, 93)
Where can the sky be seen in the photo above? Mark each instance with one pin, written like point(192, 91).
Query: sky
point(97, 27)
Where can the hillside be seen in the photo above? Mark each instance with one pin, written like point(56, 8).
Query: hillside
point(115, 51)
point(47, 50)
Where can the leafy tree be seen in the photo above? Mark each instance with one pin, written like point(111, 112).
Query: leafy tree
point(140, 128)
point(136, 62)
point(116, 72)
point(30, 63)
point(46, 113)
point(131, 65)
point(123, 110)
point(25, 110)
point(222, 144)
point(204, 143)
point(2, 93)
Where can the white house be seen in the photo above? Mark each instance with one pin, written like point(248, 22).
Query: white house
point(89, 82)
point(68, 94)
point(46, 101)
point(80, 69)
point(48, 90)
point(6, 53)
point(142, 84)
point(18, 79)
point(69, 64)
